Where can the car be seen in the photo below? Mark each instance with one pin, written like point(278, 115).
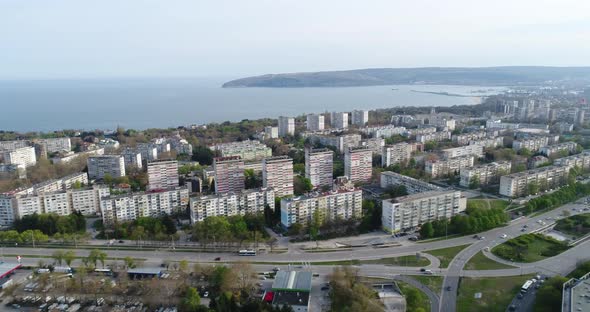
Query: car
point(121, 241)
point(520, 296)
point(206, 294)
point(448, 288)
point(429, 272)
point(512, 308)
point(218, 259)
point(503, 236)
point(325, 287)
point(525, 226)
point(476, 236)
point(276, 269)
point(523, 230)
point(482, 238)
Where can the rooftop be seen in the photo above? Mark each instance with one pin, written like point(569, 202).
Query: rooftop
point(292, 281)
point(421, 196)
point(145, 271)
point(8, 267)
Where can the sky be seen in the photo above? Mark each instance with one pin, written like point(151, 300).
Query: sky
point(61, 39)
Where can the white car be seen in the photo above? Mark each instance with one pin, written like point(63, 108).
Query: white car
point(503, 235)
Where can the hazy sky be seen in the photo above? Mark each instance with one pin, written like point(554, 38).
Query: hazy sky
point(114, 38)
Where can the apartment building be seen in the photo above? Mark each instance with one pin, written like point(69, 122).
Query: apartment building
point(67, 157)
point(250, 201)
point(358, 163)
point(131, 206)
point(341, 142)
point(8, 172)
point(384, 131)
point(439, 168)
point(13, 145)
point(532, 144)
point(533, 181)
point(341, 204)
point(55, 144)
point(229, 174)
point(6, 211)
point(109, 144)
point(247, 150)
point(319, 167)
point(61, 184)
point(286, 126)
point(339, 120)
point(435, 136)
point(374, 144)
point(277, 173)
point(467, 150)
point(409, 212)
point(464, 138)
point(581, 160)
point(162, 174)
point(101, 165)
point(485, 174)
point(396, 154)
point(132, 158)
point(442, 122)
point(413, 133)
point(390, 179)
point(489, 143)
point(360, 117)
point(271, 132)
point(148, 151)
point(552, 150)
point(315, 122)
point(24, 156)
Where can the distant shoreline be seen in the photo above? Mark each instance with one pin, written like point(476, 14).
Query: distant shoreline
point(444, 93)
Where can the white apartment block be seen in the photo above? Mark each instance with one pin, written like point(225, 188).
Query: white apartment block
point(319, 167)
point(271, 132)
point(531, 144)
point(339, 120)
point(358, 164)
point(390, 179)
point(6, 211)
point(439, 168)
point(24, 156)
point(413, 133)
point(87, 201)
point(518, 184)
point(277, 173)
point(551, 150)
point(129, 207)
point(581, 160)
point(132, 158)
point(384, 131)
point(444, 123)
point(464, 138)
point(409, 212)
point(12, 145)
point(374, 144)
point(473, 150)
point(61, 184)
point(286, 126)
point(161, 144)
point(340, 204)
point(486, 174)
point(148, 151)
point(229, 174)
point(71, 156)
point(231, 204)
point(315, 122)
point(435, 136)
point(162, 174)
point(360, 117)
point(396, 154)
point(56, 144)
point(101, 165)
point(247, 150)
point(489, 143)
point(341, 142)
point(109, 144)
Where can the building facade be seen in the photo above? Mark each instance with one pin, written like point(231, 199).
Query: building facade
point(396, 154)
point(229, 174)
point(315, 122)
point(552, 150)
point(247, 150)
point(360, 117)
point(462, 151)
point(435, 136)
point(286, 126)
point(277, 173)
point(24, 156)
point(485, 174)
point(534, 180)
point(339, 120)
point(230, 204)
point(532, 144)
point(390, 179)
point(162, 174)
point(101, 165)
point(439, 168)
point(319, 167)
point(358, 164)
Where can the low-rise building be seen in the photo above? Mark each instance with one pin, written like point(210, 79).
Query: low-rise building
point(292, 289)
point(484, 174)
point(552, 150)
point(464, 138)
point(534, 180)
point(439, 168)
point(250, 201)
point(343, 204)
point(410, 211)
point(131, 206)
point(390, 178)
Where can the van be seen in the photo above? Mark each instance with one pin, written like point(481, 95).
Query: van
point(429, 272)
point(42, 271)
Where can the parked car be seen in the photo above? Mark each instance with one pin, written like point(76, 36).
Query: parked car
point(218, 259)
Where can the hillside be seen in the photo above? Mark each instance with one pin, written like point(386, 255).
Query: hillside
point(487, 76)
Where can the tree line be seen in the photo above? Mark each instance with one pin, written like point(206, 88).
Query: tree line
point(143, 228)
point(476, 220)
point(51, 223)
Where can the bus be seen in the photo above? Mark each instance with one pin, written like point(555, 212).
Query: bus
point(247, 252)
point(107, 272)
point(526, 286)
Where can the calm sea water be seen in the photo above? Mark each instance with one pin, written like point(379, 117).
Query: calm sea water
point(140, 104)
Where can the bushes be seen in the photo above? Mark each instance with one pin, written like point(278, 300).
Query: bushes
point(51, 224)
point(140, 229)
point(562, 196)
point(476, 220)
point(577, 225)
point(528, 248)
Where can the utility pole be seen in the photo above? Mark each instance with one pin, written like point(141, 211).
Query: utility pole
point(33, 238)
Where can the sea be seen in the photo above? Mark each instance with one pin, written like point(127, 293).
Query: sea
point(105, 104)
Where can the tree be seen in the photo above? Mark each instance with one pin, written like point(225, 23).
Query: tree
point(301, 185)
point(427, 231)
point(314, 227)
point(533, 188)
point(183, 266)
point(549, 295)
point(69, 257)
point(58, 257)
point(97, 255)
point(474, 182)
point(129, 262)
point(191, 300)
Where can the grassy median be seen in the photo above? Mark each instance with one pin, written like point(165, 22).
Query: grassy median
point(446, 255)
point(496, 293)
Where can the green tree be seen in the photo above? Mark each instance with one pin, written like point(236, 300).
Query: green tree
point(191, 300)
point(549, 295)
point(58, 257)
point(427, 231)
point(69, 257)
point(474, 182)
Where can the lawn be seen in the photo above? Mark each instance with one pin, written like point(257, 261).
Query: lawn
point(529, 248)
point(578, 225)
point(486, 203)
point(445, 255)
point(481, 262)
point(496, 293)
point(432, 282)
point(415, 298)
point(409, 261)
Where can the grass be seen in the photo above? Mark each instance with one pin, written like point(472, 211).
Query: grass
point(497, 293)
point(487, 203)
point(432, 282)
point(409, 261)
point(481, 262)
point(578, 225)
point(418, 298)
point(529, 248)
point(446, 255)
